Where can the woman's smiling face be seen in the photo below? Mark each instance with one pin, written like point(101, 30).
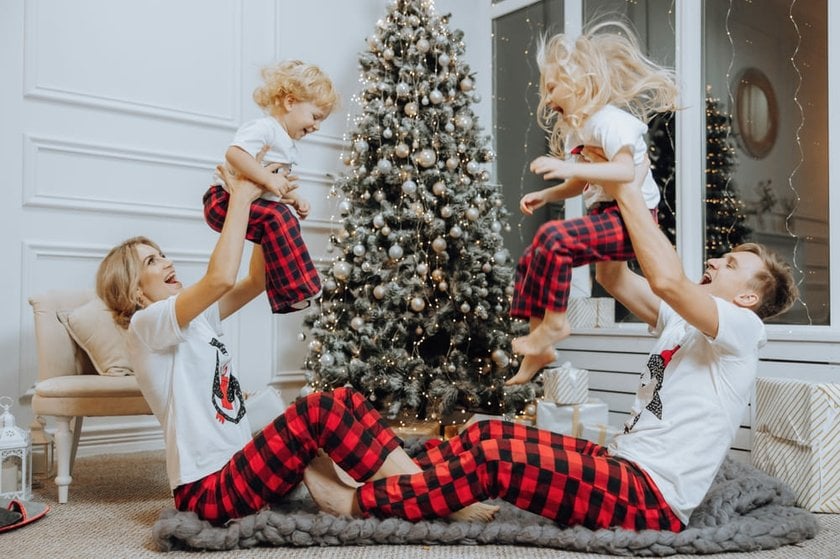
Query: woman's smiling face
point(157, 276)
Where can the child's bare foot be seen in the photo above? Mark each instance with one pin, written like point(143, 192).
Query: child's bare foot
point(531, 364)
point(476, 512)
point(327, 490)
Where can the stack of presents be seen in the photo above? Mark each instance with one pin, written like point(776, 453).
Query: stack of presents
point(796, 438)
point(567, 408)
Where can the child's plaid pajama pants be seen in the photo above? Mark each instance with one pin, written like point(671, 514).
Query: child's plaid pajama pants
point(569, 480)
point(290, 275)
point(544, 272)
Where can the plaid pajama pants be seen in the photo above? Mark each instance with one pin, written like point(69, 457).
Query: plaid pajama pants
point(341, 422)
point(571, 481)
point(544, 272)
point(290, 275)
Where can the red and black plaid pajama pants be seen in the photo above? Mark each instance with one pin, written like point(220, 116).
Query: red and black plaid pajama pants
point(290, 275)
point(341, 422)
point(544, 272)
point(571, 481)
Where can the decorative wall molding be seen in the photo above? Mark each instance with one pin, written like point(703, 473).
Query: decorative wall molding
point(36, 88)
point(35, 147)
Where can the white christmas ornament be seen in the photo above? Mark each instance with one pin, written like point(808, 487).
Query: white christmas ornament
point(426, 158)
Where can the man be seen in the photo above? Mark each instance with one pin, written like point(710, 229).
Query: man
point(693, 392)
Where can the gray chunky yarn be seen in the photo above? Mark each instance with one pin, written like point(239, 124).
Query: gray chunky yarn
point(744, 510)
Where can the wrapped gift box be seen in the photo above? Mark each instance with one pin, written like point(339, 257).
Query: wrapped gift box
point(796, 438)
point(599, 433)
point(582, 312)
point(606, 312)
point(566, 384)
point(569, 419)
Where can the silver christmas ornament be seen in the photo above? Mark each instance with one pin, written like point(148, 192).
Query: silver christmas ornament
point(327, 360)
point(417, 304)
point(330, 285)
point(446, 212)
point(357, 323)
point(409, 187)
point(395, 252)
point(379, 291)
point(387, 133)
point(388, 54)
point(422, 268)
point(315, 346)
point(439, 245)
point(472, 213)
point(386, 231)
point(439, 188)
point(301, 336)
point(423, 46)
point(444, 59)
point(401, 150)
point(449, 127)
point(411, 109)
point(500, 257)
point(486, 268)
point(455, 232)
point(443, 286)
point(359, 250)
point(473, 167)
point(466, 85)
point(360, 145)
point(463, 121)
point(452, 163)
point(426, 158)
point(465, 307)
point(378, 195)
point(341, 270)
point(383, 165)
point(436, 97)
point(378, 221)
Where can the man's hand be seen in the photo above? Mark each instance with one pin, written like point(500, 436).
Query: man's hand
point(238, 185)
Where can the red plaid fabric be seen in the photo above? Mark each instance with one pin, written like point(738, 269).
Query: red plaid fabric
point(341, 422)
point(290, 275)
point(544, 272)
point(570, 481)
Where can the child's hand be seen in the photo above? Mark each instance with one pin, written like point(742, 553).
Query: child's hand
point(302, 208)
point(282, 184)
point(532, 201)
point(552, 167)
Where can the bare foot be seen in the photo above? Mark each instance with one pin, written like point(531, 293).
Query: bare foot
point(531, 364)
point(476, 512)
point(328, 491)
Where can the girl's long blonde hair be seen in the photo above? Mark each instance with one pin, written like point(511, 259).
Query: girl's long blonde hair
point(118, 279)
point(604, 66)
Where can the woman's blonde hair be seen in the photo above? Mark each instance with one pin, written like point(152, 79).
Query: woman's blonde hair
point(118, 279)
point(775, 285)
point(603, 66)
point(293, 78)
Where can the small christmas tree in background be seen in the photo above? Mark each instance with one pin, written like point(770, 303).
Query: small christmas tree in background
point(725, 211)
point(415, 309)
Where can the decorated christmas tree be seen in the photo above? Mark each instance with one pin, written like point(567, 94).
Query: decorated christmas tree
point(725, 211)
point(415, 305)
point(725, 215)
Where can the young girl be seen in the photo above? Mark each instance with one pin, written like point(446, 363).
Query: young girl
point(597, 91)
point(297, 98)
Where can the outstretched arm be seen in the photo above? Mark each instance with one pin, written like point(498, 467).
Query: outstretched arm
point(660, 263)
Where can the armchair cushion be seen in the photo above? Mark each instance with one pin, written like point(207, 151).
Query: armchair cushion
point(93, 328)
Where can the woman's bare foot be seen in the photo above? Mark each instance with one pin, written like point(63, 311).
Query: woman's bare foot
point(531, 364)
point(327, 490)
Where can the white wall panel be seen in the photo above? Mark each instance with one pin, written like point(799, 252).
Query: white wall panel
point(154, 57)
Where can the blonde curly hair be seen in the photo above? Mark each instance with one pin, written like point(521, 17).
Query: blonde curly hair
point(604, 66)
point(293, 78)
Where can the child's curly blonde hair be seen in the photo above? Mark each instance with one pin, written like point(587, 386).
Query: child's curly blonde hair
point(293, 78)
point(604, 66)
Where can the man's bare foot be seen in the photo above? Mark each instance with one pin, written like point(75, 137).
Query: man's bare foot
point(476, 512)
point(327, 490)
point(531, 364)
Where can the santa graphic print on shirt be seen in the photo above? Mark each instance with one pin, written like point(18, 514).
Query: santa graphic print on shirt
point(226, 395)
point(651, 383)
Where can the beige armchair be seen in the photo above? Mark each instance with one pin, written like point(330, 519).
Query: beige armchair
point(69, 387)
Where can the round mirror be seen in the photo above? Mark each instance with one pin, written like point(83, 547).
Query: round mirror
point(757, 115)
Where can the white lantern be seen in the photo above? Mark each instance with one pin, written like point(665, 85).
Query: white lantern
point(15, 456)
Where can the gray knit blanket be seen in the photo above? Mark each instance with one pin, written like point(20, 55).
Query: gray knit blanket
point(745, 510)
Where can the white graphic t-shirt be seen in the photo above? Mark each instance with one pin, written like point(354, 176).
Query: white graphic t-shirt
point(186, 376)
point(691, 398)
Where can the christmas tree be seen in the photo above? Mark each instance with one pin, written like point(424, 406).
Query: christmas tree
point(415, 308)
point(725, 211)
point(725, 215)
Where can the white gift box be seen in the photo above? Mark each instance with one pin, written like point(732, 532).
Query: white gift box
point(591, 312)
point(569, 419)
point(796, 438)
point(599, 433)
point(566, 384)
point(582, 312)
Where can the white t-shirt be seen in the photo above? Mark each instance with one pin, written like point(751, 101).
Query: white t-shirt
point(613, 129)
point(266, 131)
point(187, 378)
point(690, 402)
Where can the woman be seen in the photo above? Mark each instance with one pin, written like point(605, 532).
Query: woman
point(215, 468)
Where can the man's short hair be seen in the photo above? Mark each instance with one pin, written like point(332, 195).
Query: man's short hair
point(774, 284)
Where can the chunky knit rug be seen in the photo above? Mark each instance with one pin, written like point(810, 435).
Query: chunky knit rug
point(745, 510)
